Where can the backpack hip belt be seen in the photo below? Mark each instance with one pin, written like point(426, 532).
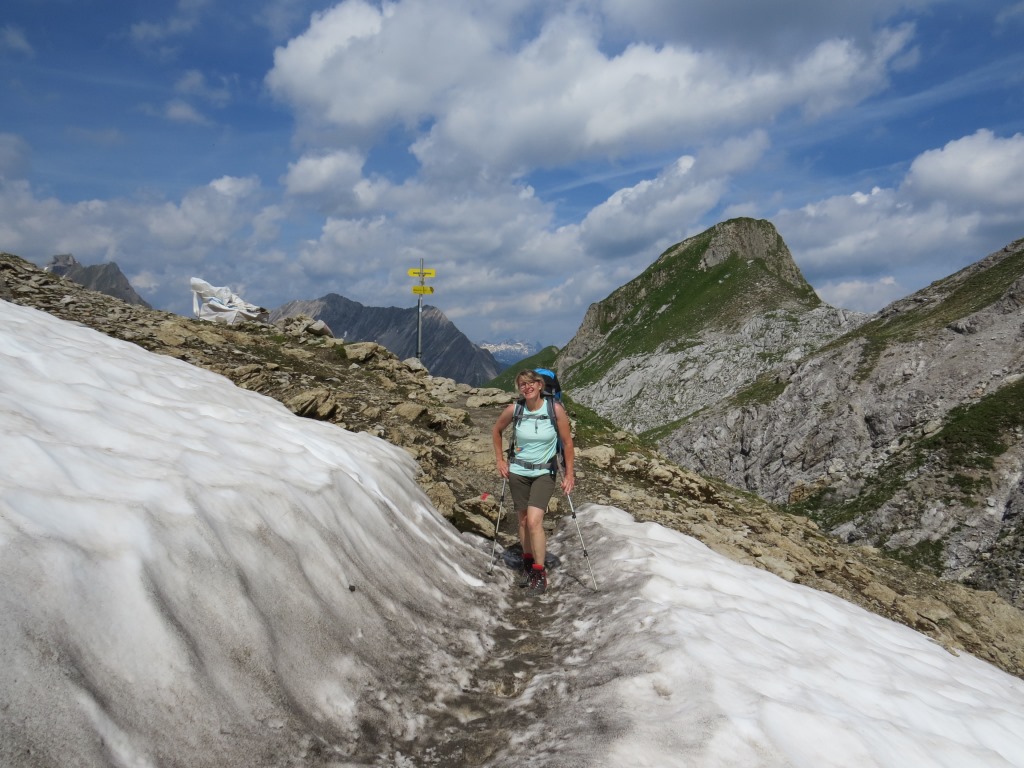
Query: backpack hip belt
point(551, 466)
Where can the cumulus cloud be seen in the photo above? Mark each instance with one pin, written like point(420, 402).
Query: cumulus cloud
point(561, 99)
point(861, 295)
point(952, 201)
point(976, 170)
point(550, 98)
point(221, 227)
point(331, 180)
point(360, 66)
point(657, 212)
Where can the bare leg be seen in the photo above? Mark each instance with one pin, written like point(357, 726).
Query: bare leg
point(531, 527)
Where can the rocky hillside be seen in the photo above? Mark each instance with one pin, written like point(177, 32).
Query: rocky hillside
point(446, 351)
point(105, 278)
point(906, 434)
point(712, 314)
point(446, 426)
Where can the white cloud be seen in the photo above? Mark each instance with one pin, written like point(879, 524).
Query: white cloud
point(333, 179)
point(557, 96)
point(360, 67)
point(194, 83)
point(865, 232)
point(861, 295)
point(180, 111)
point(977, 170)
point(13, 39)
point(222, 228)
point(655, 213)
point(182, 21)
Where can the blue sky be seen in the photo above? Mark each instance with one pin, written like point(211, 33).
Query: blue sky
point(537, 154)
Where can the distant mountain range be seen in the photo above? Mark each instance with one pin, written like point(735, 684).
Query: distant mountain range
point(509, 352)
point(446, 351)
point(105, 278)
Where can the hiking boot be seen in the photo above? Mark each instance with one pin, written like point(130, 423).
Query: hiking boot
point(525, 574)
point(538, 581)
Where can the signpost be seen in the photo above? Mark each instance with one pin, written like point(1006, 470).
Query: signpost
point(421, 290)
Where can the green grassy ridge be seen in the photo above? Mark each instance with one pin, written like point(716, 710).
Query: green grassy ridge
point(958, 456)
point(674, 300)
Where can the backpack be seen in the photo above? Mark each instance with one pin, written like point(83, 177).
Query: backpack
point(552, 392)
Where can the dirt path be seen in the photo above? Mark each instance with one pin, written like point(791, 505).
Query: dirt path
point(503, 714)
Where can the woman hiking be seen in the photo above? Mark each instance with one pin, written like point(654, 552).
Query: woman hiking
point(531, 466)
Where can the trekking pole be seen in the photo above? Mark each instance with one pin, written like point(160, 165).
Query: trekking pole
point(497, 522)
point(585, 555)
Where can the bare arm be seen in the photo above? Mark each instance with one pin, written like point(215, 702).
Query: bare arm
point(499, 450)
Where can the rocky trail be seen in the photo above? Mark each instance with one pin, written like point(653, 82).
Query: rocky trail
point(505, 707)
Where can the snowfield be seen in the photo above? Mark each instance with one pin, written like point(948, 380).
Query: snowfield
point(193, 576)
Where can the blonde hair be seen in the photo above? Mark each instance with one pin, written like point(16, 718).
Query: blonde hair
point(528, 374)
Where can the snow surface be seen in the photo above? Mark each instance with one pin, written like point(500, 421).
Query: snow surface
point(194, 576)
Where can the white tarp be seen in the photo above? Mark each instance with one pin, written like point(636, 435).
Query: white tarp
point(222, 306)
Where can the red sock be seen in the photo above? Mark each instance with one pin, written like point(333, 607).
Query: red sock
point(538, 567)
point(527, 559)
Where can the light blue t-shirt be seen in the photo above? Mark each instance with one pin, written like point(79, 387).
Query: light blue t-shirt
point(536, 441)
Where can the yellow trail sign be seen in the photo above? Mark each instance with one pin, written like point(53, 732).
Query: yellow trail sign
point(428, 272)
point(423, 289)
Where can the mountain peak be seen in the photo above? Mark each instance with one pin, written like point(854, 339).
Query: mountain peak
point(718, 281)
point(106, 278)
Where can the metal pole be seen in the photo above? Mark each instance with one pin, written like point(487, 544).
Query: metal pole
point(497, 522)
point(419, 329)
point(585, 555)
point(419, 319)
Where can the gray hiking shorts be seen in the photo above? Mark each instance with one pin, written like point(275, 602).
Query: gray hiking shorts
point(531, 491)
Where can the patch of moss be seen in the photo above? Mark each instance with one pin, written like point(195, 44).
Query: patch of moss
point(974, 434)
point(923, 556)
point(763, 390)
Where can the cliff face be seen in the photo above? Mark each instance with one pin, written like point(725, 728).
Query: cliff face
point(907, 434)
point(708, 317)
point(446, 351)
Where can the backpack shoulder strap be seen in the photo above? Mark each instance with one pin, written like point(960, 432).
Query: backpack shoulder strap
point(517, 414)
